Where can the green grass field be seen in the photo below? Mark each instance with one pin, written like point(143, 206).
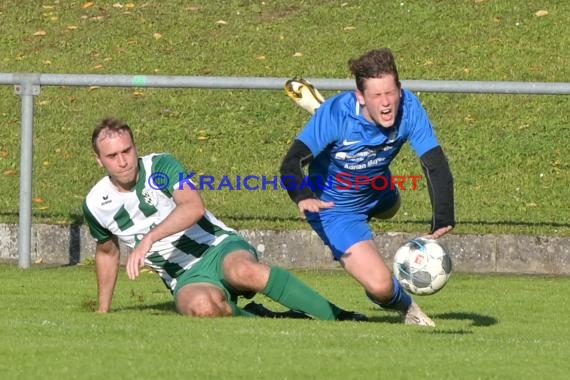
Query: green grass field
point(507, 152)
point(488, 327)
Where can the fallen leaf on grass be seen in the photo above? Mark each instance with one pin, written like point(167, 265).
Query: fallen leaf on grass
point(37, 200)
point(541, 13)
point(221, 22)
point(87, 5)
point(9, 172)
point(157, 36)
point(72, 27)
point(349, 28)
point(202, 138)
point(297, 54)
point(40, 33)
point(260, 57)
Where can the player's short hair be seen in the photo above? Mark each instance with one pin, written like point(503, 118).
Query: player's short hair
point(373, 64)
point(113, 125)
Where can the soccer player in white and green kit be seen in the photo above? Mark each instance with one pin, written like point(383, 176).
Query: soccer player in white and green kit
point(204, 263)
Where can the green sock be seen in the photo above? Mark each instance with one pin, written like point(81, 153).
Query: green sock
point(239, 312)
point(290, 291)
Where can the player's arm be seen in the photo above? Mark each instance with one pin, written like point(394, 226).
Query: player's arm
point(188, 211)
point(107, 256)
point(292, 176)
point(440, 188)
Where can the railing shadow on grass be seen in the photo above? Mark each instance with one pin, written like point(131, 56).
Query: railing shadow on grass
point(404, 221)
point(77, 220)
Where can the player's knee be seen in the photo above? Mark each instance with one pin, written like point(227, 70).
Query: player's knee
point(381, 290)
point(201, 306)
point(248, 274)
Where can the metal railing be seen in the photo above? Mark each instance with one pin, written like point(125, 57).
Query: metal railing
point(28, 85)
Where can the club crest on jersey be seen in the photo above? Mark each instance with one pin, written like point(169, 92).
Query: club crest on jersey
point(149, 196)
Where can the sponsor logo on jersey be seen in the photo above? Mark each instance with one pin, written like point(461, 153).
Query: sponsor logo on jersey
point(347, 143)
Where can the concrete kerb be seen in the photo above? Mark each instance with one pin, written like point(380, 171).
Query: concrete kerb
point(72, 244)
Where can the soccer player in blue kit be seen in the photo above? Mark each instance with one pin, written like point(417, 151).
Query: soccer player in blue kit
point(359, 133)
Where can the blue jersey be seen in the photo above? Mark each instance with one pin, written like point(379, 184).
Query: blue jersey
point(348, 148)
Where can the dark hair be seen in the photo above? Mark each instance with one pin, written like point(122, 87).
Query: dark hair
point(113, 125)
point(374, 64)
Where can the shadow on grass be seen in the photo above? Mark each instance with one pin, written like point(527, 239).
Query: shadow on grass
point(77, 219)
point(161, 307)
point(476, 320)
point(551, 224)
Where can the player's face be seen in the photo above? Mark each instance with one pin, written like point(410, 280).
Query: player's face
point(381, 100)
point(118, 155)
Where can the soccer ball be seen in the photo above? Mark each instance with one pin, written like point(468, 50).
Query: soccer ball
point(422, 266)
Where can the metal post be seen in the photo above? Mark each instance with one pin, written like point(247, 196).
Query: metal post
point(27, 89)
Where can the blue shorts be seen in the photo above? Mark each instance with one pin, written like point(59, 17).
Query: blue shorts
point(340, 229)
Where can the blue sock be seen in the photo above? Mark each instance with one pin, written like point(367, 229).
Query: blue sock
point(400, 301)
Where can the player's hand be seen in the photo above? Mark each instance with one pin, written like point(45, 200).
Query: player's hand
point(313, 205)
point(135, 261)
point(439, 233)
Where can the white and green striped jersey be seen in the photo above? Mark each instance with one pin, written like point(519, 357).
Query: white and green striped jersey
point(130, 215)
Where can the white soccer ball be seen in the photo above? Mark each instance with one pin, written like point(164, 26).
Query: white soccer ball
point(422, 266)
